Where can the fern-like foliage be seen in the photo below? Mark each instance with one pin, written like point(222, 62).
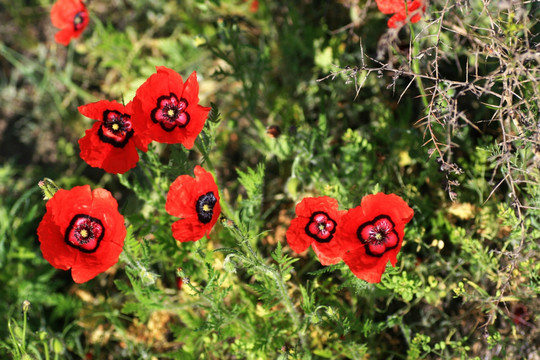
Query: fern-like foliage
point(253, 182)
point(283, 261)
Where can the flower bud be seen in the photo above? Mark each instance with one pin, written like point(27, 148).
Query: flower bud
point(148, 278)
point(25, 305)
point(48, 187)
point(57, 346)
point(229, 264)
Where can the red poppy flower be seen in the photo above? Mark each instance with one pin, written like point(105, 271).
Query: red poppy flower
point(71, 17)
point(196, 202)
point(316, 222)
point(111, 143)
point(372, 234)
point(82, 230)
point(254, 6)
point(414, 9)
point(167, 110)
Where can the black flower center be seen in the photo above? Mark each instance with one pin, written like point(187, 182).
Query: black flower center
point(84, 233)
point(378, 235)
point(170, 112)
point(116, 128)
point(78, 20)
point(321, 227)
point(205, 207)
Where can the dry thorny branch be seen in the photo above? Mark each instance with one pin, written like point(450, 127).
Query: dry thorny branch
point(511, 90)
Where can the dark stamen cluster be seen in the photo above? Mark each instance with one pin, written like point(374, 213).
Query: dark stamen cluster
point(321, 227)
point(205, 207)
point(170, 112)
point(84, 233)
point(116, 128)
point(78, 20)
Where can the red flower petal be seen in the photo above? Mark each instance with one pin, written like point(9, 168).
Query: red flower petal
point(63, 12)
point(79, 199)
point(164, 85)
point(54, 249)
point(71, 17)
point(366, 231)
point(296, 234)
point(368, 261)
point(196, 201)
point(63, 37)
point(392, 240)
point(365, 267)
point(323, 259)
point(325, 210)
point(95, 110)
point(113, 160)
point(85, 262)
point(118, 162)
point(174, 80)
point(416, 9)
point(390, 6)
point(254, 6)
point(199, 114)
point(392, 205)
point(376, 249)
point(191, 90)
point(397, 7)
point(102, 203)
point(147, 96)
point(185, 190)
point(397, 21)
point(188, 229)
point(96, 153)
point(148, 93)
point(89, 266)
point(101, 148)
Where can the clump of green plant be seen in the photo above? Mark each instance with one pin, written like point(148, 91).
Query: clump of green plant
point(313, 101)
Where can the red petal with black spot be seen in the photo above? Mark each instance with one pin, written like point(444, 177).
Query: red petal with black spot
point(196, 202)
point(111, 144)
point(415, 9)
point(372, 234)
point(316, 223)
point(71, 17)
point(82, 230)
point(167, 110)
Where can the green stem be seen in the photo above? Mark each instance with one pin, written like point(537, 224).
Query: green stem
point(153, 164)
point(212, 302)
point(306, 267)
point(206, 156)
point(17, 351)
point(255, 260)
point(286, 300)
point(46, 350)
point(416, 67)
point(23, 340)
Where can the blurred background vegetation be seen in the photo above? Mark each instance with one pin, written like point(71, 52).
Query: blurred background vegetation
point(316, 98)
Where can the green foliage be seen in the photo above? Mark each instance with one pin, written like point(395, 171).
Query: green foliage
point(253, 183)
point(308, 99)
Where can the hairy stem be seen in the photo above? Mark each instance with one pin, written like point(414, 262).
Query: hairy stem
point(26, 304)
point(252, 257)
point(416, 67)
